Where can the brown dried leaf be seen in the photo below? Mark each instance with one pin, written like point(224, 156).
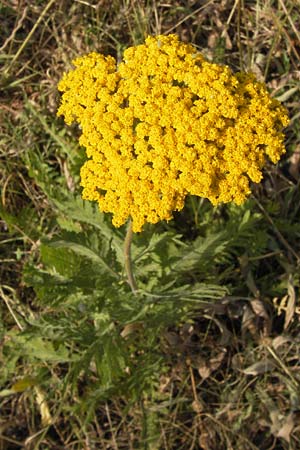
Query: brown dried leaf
point(294, 167)
point(43, 407)
point(203, 370)
point(282, 428)
point(207, 435)
point(260, 310)
point(279, 341)
point(228, 43)
point(287, 428)
point(237, 361)
point(172, 338)
point(131, 328)
point(248, 322)
point(197, 407)
point(206, 368)
point(226, 335)
point(291, 304)
point(259, 367)
point(280, 304)
point(212, 40)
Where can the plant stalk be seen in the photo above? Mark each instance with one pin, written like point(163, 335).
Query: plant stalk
point(128, 260)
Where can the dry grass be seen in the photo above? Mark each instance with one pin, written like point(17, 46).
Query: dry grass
point(231, 373)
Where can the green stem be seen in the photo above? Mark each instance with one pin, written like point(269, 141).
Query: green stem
point(128, 261)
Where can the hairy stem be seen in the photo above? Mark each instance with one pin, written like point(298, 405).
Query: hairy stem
point(128, 261)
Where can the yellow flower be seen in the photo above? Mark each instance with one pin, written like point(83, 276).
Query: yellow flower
point(166, 123)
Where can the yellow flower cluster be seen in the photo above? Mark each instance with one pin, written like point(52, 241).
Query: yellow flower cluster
point(165, 123)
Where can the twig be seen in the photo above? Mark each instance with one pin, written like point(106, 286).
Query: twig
point(14, 31)
point(114, 442)
point(6, 300)
point(28, 37)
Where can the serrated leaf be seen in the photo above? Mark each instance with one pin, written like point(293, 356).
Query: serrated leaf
point(103, 323)
point(69, 225)
point(85, 212)
point(86, 252)
point(36, 347)
point(111, 363)
point(155, 244)
point(202, 252)
point(37, 277)
point(64, 262)
point(201, 293)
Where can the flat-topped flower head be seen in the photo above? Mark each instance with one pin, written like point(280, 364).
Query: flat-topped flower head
point(166, 123)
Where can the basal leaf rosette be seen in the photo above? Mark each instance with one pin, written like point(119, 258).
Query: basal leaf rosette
point(165, 123)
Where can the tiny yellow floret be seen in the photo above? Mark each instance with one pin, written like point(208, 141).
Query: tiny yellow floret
point(165, 123)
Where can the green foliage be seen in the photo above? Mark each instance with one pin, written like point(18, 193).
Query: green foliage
point(90, 323)
point(80, 278)
point(111, 339)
